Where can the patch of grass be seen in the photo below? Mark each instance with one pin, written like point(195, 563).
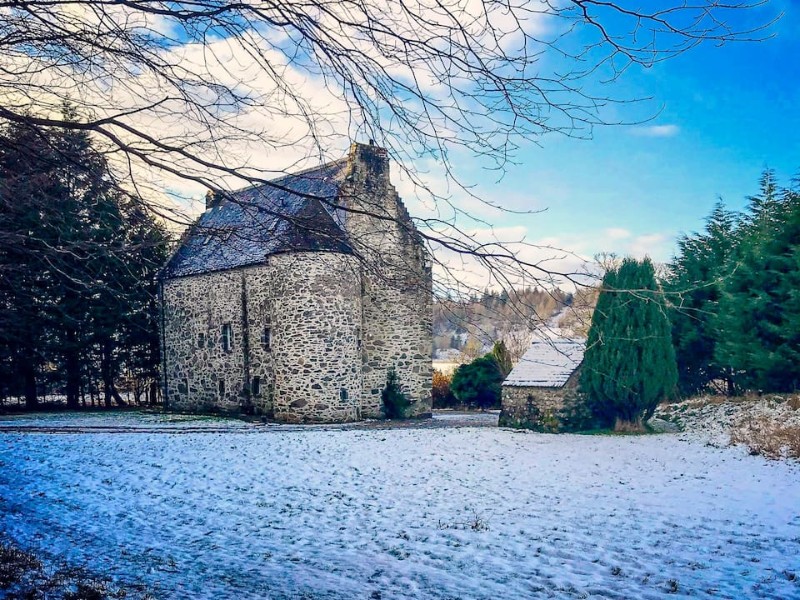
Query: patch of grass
point(767, 437)
point(474, 523)
point(24, 576)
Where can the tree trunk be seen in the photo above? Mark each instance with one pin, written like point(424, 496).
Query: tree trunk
point(624, 426)
point(153, 392)
point(73, 368)
point(29, 376)
point(106, 372)
point(730, 384)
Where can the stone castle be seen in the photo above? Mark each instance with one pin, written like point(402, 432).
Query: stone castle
point(294, 299)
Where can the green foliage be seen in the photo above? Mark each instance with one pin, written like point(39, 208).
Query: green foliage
point(79, 257)
point(734, 300)
point(395, 402)
point(576, 414)
point(694, 289)
point(759, 311)
point(629, 365)
point(478, 383)
point(502, 357)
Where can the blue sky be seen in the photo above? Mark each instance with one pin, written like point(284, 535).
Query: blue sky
point(722, 114)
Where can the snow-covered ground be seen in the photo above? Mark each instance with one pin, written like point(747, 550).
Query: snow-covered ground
point(710, 419)
point(248, 511)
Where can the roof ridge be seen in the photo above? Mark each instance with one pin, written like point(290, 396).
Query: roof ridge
point(288, 175)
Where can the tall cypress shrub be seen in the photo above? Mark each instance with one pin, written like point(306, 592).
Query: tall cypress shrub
point(629, 365)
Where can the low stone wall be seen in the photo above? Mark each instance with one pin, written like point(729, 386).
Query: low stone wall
point(536, 408)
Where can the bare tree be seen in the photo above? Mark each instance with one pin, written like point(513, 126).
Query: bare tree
point(518, 341)
point(225, 94)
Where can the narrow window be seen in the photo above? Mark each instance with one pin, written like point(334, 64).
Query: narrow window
point(222, 387)
point(342, 394)
point(227, 337)
point(266, 339)
point(256, 387)
point(201, 340)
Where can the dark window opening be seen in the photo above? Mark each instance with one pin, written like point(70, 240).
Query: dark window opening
point(256, 386)
point(266, 339)
point(342, 394)
point(201, 340)
point(221, 387)
point(227, 337)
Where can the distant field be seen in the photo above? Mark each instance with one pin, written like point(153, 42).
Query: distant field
point(445, 366)
point(210, 508)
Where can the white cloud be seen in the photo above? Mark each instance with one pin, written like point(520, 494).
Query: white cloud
point(617, 233)
point(656, 131)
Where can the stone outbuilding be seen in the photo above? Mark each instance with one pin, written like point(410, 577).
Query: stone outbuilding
point(541, 385)
point(294, 299)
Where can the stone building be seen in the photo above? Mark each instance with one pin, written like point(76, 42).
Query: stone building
point(539, 387)
point(295, 299)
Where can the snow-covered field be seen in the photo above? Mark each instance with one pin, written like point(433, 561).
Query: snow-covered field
point(223, 509)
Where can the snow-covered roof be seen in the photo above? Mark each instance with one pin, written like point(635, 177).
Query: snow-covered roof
point(547, 364)
point(262, 220)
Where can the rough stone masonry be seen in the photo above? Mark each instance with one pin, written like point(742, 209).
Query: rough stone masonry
point(294, 299)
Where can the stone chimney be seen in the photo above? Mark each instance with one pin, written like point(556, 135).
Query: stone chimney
point(212, 199)
point(369, 163)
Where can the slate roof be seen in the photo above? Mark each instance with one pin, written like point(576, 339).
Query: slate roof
point(547, 364)
point(262, 220)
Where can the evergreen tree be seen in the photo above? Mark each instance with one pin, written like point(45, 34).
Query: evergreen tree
point(759, 314)
point(694, 287)
point(629, 365)
point(502, 357)
point(395, 402)
point(478, 383)
point(78, 258)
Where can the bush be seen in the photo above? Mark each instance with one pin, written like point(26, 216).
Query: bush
point(478, 383)
point(395, 402)
point(442, 394)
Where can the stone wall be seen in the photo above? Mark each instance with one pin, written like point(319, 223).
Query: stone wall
point(316, 316)
point(199, 374)
point(397, 284)
point(538, 408)
point(306, 368)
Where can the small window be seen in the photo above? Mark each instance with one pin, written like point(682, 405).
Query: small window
point(266, 339)
point(227, 337)
point(342, 394)
point(221, 387)
point(201, 340)
point(256, 387)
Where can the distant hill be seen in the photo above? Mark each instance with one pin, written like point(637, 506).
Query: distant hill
point(469, 328)
point(493, 315)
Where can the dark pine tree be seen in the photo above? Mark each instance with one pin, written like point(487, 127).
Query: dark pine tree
point(694, 288)
point(759, 314)
point(629, 365)
point(78, 258)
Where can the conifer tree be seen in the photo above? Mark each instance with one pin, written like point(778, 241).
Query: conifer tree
point(694, 287)
point(759, 314)
point(629, 365)
point(78, 258)
point(502, 357)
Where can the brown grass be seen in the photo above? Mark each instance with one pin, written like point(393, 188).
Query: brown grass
point(24, 576)
point(769, 438)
